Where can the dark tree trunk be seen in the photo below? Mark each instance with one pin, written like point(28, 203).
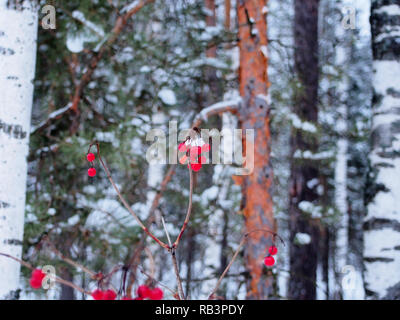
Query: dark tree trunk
point(67, 293)
point(304, 256)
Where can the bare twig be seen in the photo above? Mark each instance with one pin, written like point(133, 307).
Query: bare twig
point(166, 231)
point(68, 260)
point(178, 277)
point(244, 238)
point(158, 282)
point(189, 209)
point(152, 264)
point(124, 202)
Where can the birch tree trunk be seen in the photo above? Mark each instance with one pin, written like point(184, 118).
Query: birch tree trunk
point(341, 61)
point(382, 223)
point(304, 231)
point(253, 114)
point(18, 33)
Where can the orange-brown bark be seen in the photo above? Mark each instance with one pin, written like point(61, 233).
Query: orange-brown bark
point(227, 15)
point(256, 187)
point(210, 21)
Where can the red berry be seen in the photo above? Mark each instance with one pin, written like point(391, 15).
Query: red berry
point(273, 250)
point(205, 147)
point(143, 291)
point(138, 298)
point(98, 294)
point(109, 295)
point(35, 283)
point(182, 147)
point(37, 277)
point(269, 261)
point(196, 166)
point(91, 172)
point(90, 157)
point(156, 294)
point(38, 274)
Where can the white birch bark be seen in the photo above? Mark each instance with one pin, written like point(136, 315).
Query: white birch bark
point(382, 223)
point(18, 34)
point(341, 55)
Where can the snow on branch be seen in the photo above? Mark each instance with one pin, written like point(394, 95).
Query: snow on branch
point(217, 108)
point(54, 115)
point(130, 6)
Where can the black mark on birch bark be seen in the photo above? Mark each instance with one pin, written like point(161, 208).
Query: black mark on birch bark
point(379, 224)
point(4, 205)
point(378, 259)
point(13, 130)
point(13, 242)
point(6, 51)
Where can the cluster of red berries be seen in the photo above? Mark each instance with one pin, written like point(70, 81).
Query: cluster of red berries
point(269, 260)
point(104, 295)
point(194, 152)
point(144, 292)
point(37, 278)
point(92, 170)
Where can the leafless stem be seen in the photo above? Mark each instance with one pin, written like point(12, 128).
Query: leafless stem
point(158, 282)
point(244, 238)
point(151, 259)
point(166, 231)
point(189, 209)
point(124, 202)
point(178, 277)
point(68, 260)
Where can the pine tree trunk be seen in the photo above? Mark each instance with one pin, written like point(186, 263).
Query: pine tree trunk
point(382, 223)
point(210, 72)
point(253, 114)
point(303, 254)
point(18, 33)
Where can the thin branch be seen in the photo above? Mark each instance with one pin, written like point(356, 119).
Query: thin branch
point(57, 279)
point(178, 277)
point(68, 260)
point(189, 209)
point(72, 285)
point(166, 231)
point(158, 282)
point(244, 238)
point(151, 259)
point(124, 202)
point(217, 108)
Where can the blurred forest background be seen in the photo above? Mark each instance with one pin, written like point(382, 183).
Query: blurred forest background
point(326, 164)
